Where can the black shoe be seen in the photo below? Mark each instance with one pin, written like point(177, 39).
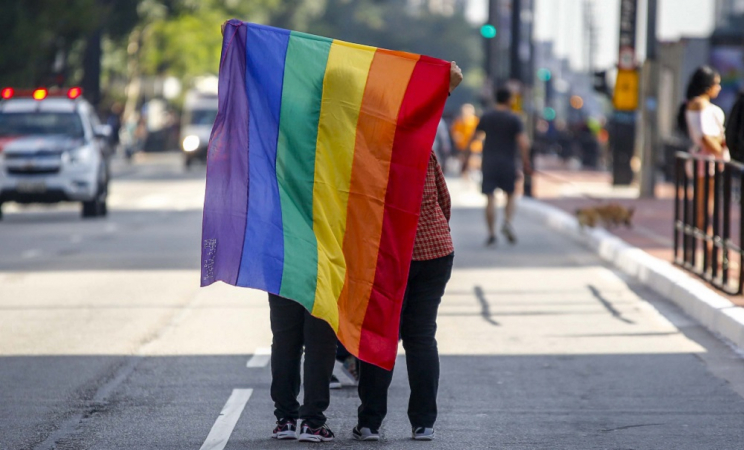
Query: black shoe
point(285, 429)
point(365, 434)
point(335, 383)
point(320, 434)
point(491, 241)
point(508, 232)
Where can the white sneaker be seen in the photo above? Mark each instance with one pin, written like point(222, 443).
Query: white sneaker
point(365, 434)
point(423, 434)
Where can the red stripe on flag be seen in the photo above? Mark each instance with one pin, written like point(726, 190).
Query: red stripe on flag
point(417, 124)
point(386, 87)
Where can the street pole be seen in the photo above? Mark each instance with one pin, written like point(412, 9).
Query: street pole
point(91, 82)
point(625, 98)
point(515, 65)
point(491, 44)
point(650, 110)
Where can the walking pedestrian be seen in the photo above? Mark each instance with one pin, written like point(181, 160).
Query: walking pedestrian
point(502, 134)
point(462, 130)
point(430, 270)
point(113, 120)
point(703, 122)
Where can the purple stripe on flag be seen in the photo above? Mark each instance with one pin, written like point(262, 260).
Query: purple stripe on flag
point(226, 197)
point(263, 249)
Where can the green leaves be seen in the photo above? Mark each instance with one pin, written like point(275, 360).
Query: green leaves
point(181, 38)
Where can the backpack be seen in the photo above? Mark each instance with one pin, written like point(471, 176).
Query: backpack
point(735, 129)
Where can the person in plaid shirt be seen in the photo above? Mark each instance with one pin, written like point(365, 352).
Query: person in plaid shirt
point(431, 267)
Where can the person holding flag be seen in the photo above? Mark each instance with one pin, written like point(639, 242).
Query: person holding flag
point(431, 267)
point(318, 168)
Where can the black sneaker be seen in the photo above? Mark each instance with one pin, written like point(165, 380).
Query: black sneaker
point(285, 429)
point(335, 383)
point(365, 434)
point(320, 434)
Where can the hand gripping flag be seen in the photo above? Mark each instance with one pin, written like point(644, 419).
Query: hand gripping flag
point(315, 175)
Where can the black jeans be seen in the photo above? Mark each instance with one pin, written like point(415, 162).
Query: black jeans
point(418, 327)
point(293, 327)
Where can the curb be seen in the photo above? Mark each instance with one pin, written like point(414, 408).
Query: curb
point(700, 302)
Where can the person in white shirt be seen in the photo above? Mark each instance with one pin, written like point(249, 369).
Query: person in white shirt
point(703, 122)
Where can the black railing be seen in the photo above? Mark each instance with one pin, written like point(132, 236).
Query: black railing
point(708, 223)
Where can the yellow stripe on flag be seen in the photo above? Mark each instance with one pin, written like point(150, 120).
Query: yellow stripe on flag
point(343, 89)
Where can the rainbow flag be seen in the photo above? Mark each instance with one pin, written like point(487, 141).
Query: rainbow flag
point(315, 175)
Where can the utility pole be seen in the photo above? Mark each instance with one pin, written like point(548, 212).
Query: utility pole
point(625, 97)
point(91, 82)
point(491, 43)
point(515, 63)
point(591, 36)
point(650, 110)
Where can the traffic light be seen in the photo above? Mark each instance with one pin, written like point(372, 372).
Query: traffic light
point(600, 82)
point(549, 113)
point(488, 31)
point(544, 74)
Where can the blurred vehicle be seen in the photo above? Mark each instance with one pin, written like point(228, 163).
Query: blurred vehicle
point(53, 148)
point(199, 112)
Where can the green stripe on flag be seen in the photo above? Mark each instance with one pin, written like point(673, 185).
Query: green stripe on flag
point(305, 66)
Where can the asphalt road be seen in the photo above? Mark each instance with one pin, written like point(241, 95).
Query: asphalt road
point(107, 342)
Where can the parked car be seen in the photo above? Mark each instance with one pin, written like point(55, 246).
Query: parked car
point(53, 148)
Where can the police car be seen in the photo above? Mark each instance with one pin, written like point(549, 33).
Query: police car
point(53, 148)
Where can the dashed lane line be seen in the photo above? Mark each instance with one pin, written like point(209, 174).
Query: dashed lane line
point(225, 423)
point(260, 358)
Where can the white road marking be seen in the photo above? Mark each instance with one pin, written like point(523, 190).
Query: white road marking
point(260, 358)
point(225, 423)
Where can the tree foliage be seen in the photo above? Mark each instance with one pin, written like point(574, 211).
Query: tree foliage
point(396, 25)
point(181, 38)
point(35, 33)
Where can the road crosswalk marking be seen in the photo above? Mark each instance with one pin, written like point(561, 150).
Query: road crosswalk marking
point(260, 358)
point(225, 423)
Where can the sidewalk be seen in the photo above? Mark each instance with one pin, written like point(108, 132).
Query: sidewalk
point(652, 232)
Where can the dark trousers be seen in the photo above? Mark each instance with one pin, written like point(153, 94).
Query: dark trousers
point(293, 327)
point(418, 327)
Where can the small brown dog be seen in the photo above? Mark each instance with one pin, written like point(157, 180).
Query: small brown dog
point(610, 215)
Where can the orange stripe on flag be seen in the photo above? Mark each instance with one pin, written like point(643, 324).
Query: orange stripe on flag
point(418, 117)
point(386, 86)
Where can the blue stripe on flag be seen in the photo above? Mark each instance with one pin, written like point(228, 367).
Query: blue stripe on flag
point(263, 249)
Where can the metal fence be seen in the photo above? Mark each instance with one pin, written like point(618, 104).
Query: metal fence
point(708, 223)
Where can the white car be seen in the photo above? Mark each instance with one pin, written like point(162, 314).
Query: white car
point(199, 113)
point(53, 148)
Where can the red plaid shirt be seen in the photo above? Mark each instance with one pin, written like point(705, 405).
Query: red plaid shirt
point(433, 238)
